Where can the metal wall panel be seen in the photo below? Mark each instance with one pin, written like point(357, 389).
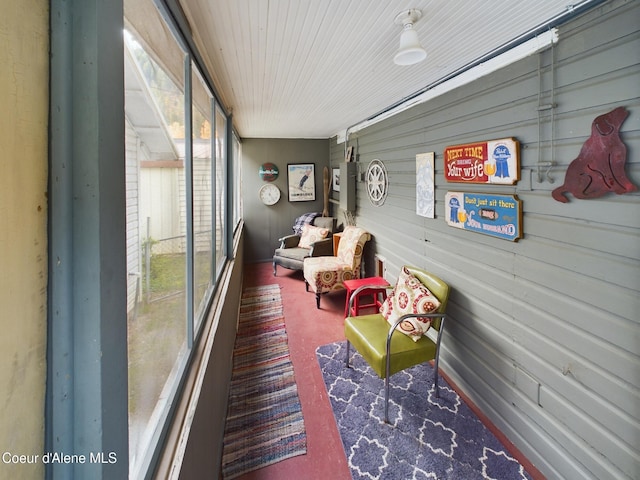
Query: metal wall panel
point(544, 332)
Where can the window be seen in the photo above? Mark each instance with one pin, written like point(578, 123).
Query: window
point(156, 240)
point(221, 158)
point(176, 156)
point(171, 196)
point(237, 178)
point(202, 188)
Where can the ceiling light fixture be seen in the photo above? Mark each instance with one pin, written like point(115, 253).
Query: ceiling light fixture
point(410, 49)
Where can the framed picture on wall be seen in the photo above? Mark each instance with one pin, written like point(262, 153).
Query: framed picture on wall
point(301, 180)
point(335, 181)
point(349, 155)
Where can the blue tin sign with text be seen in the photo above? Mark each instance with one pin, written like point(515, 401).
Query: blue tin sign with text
point(496, 215)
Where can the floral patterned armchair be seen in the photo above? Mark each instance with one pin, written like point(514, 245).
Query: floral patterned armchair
point(327, 274)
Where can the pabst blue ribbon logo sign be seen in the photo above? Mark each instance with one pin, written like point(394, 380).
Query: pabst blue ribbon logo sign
point(495, 162)
point(495, 215)
point(268, 172)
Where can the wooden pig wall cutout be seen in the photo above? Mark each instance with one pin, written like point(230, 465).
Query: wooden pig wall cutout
point(599, 168)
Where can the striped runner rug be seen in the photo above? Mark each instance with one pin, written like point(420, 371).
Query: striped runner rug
point(264, 418)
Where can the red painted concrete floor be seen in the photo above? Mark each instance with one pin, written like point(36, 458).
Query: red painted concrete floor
point(307, 329)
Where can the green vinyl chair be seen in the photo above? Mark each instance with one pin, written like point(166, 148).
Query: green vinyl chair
point(389, 351)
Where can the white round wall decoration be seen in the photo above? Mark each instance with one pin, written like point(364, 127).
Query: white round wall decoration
point(377, 182)
point(269, 194)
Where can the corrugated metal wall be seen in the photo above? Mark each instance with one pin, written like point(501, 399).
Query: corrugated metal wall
point(544, 333)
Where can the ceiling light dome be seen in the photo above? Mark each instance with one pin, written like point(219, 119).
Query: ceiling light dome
point(411, 51)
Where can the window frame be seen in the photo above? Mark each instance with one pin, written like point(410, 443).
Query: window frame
point(195, 318)
point(86, 404)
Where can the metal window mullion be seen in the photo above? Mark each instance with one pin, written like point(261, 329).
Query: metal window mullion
point(214, 155)
point(229, 197)
point(188, 172)
point(220, 265)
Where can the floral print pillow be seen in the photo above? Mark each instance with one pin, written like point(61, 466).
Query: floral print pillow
point(311, 234)
point(409, 296)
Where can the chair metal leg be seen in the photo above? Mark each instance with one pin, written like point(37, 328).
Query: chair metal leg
point(346, 360)
point(386, 399)
point(318, 300)
point(437, 358)
point(435, 374)
point(274, 268)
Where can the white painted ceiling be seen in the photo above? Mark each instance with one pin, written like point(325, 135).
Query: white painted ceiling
point(311, 68)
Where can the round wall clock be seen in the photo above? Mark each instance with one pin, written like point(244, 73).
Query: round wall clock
point(269, 194)
point(377, 182)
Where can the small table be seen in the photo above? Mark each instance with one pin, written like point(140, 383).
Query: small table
point(336, 241)
point(377, 290)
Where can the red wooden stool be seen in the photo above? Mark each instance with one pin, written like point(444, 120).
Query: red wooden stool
point(375, 291)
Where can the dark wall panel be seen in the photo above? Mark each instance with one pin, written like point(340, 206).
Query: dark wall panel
point(266, 224)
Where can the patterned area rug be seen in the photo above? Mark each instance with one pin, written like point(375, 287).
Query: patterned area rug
point(429, 438)
point(264, 418)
